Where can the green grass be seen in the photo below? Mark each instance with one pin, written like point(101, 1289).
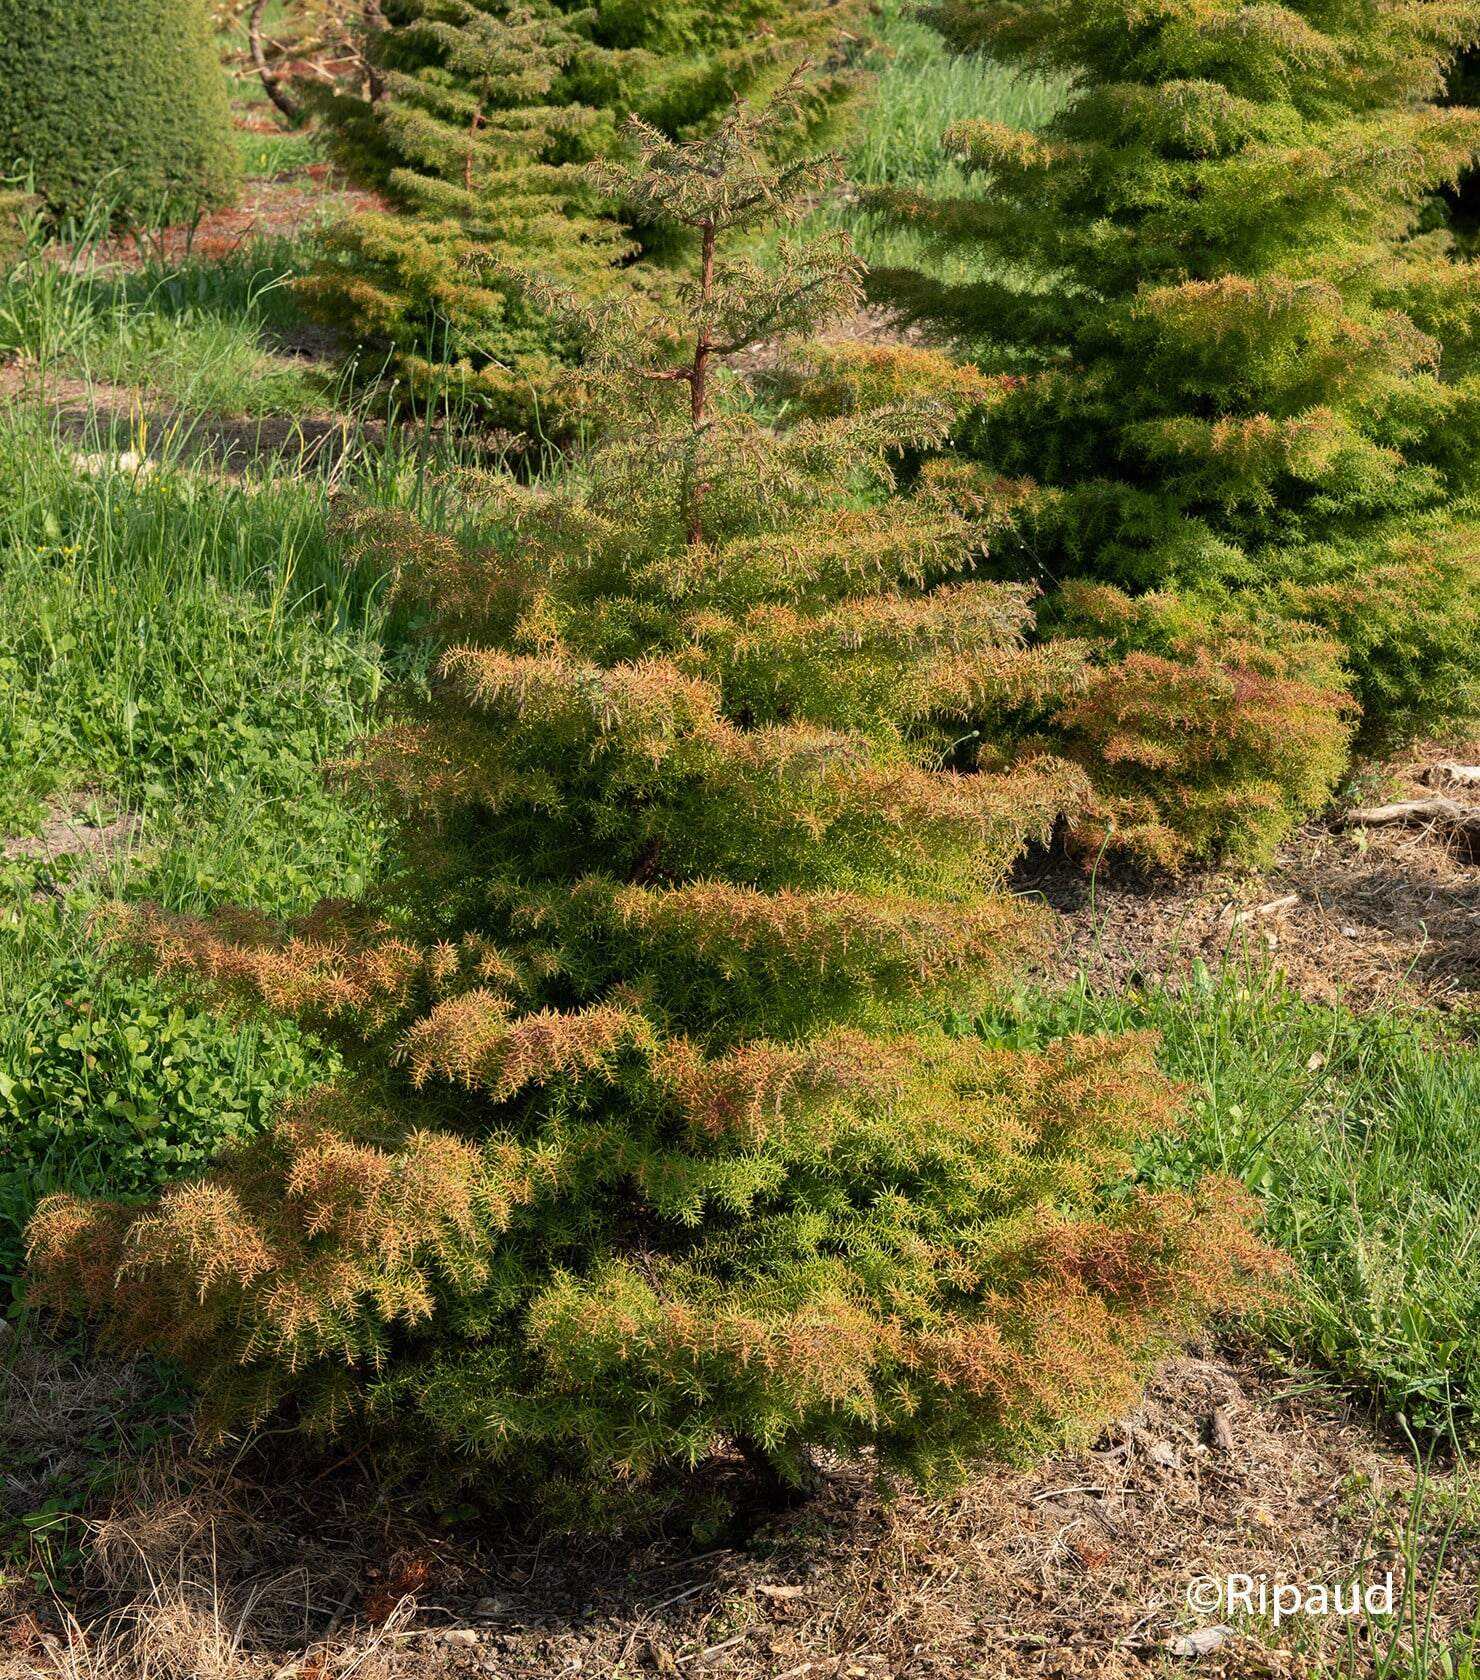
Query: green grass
point(161, 633)
point(266, 154)
point(916, 91)
point(188, 650)
point(919, 91)
point(199, 334)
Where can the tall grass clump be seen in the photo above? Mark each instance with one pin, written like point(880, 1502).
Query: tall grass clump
point(151, 619)
point(192, 333)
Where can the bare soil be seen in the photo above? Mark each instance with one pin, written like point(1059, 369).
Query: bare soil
point(1080, 1568)
point(83, 847)
point(64, 835)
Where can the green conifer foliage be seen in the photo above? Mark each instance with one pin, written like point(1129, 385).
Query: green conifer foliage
point(488, 109)
point(653, 1140)
point(1228, 358)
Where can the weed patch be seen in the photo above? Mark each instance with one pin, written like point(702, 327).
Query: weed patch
point(184, 651)
point(199, 334)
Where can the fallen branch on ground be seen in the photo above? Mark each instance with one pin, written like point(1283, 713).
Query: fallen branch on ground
point(1456, 775)
point(1448, 814)
point(1288, 902)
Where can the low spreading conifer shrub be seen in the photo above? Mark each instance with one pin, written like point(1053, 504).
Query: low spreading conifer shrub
point(651, 1140)
point(117, 102)
point(1232, 356)
point(486, 112)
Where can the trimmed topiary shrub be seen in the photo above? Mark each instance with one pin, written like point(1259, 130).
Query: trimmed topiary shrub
point(1228, 358)
point(488, 110)
point(653, 1142)
point(116, 101)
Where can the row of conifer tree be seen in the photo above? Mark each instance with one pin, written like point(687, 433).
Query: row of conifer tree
point(1225, 423)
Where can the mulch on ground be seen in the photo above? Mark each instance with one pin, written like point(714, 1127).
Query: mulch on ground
point(1372, 917)
point(1079, 1568)
point(268, 207)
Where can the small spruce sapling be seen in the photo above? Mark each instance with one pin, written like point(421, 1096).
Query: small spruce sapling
point(486, 113)
point(652, 1142)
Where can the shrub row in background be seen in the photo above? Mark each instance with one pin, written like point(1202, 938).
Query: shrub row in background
point(119, 102)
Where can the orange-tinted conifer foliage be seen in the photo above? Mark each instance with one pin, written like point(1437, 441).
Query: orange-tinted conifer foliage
point(1205, 730)
point(652, 1139)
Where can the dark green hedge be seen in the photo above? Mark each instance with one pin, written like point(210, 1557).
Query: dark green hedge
point(123, 99)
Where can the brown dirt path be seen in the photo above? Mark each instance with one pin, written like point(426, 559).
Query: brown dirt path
point(105, 424)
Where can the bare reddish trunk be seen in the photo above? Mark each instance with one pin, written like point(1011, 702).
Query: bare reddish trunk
point(699, 373)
